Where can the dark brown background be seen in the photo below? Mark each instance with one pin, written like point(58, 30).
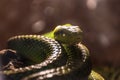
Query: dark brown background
point(99, 19)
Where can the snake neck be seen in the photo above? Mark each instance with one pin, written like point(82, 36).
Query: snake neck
point(78, 59)
point(73, 53)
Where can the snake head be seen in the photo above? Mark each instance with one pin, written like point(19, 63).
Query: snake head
point(68, 34)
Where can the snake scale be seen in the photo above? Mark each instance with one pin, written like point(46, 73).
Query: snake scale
point(59, 55)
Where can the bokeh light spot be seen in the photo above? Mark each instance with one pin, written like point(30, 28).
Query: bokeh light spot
point(38, 26)
point(92, 4)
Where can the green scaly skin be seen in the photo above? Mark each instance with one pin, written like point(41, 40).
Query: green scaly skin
point(46, 51)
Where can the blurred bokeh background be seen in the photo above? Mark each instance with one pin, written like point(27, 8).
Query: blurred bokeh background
point(99, 19)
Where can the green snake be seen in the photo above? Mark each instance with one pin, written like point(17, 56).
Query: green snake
point(59, 53)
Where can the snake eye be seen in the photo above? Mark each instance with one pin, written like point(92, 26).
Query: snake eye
point(62, 34)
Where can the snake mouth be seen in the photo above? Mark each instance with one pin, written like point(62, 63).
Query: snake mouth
point(78, 38)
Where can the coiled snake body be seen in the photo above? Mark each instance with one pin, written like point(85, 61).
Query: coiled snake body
point(44, 55)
